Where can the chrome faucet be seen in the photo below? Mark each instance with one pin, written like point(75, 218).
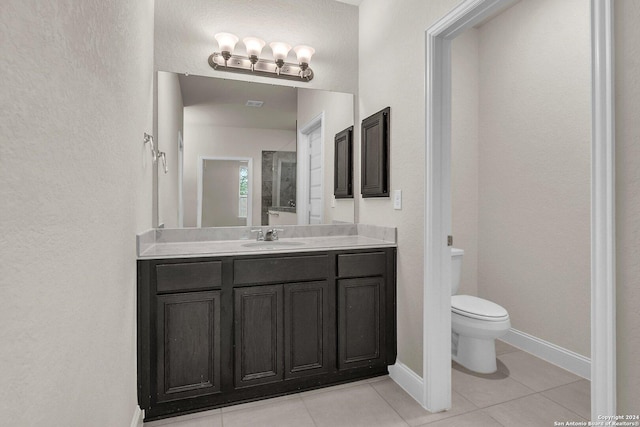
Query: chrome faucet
point(269, 236)
point(272, 234)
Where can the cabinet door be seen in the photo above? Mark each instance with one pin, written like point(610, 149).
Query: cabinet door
point(308, 348)
point(361, 322)
point(258, 328)
point(343, 164)
point(188, 344)
point(375, 155)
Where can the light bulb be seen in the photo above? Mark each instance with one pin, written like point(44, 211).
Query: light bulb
point(227, 43)
point(254, 46)
point(280, 52)
point(304, 54)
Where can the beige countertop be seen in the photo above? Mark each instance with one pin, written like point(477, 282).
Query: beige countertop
point(198, 248)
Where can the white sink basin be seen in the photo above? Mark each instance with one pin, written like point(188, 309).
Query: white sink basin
point(275, 244)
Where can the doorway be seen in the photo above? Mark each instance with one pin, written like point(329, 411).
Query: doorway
point(310, 172)
point(436, 393)
point(224, 191)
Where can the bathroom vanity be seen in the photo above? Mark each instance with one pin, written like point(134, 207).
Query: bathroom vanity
point(228, 321)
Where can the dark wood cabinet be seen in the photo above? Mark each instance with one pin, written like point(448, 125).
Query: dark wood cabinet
point(343, 164)
point(188, 342)
point(309, 349)
point(216, 331)
point(259, 335)
point(361, 322)
point(375, 163)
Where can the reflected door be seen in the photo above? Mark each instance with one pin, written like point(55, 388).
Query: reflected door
point(315, 176)
point(224, 200)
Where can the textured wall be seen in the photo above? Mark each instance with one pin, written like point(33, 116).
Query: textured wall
point(464, 155)
point(170, 125)
point(184, 36)
point(75, 188)
point(627, 51)
point(535, 169)
point(338, 115)
point(387, 28)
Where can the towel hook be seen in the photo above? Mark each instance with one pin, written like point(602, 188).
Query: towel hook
point(155, 154)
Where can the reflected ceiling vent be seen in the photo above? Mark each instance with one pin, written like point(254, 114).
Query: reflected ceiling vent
point(256, 104)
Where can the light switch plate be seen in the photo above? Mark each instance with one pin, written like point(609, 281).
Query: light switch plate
point(397, 199)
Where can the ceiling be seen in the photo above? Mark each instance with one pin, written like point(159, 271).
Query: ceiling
point(222, 102)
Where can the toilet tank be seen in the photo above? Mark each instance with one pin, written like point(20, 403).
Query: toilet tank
point(456, 269)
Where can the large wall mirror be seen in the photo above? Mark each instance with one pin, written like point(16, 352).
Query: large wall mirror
point(248, 154)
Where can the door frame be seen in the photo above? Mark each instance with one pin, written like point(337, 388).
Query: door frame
point(249, 160)
point(304, 168)
point(436, 394)
point(180, 179)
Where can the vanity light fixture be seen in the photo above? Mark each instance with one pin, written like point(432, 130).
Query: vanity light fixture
point(225, 60)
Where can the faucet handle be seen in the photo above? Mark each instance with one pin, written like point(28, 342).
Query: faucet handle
point(260, 233)
point(275, 232)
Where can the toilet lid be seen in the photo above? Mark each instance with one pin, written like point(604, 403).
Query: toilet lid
point(477, 308)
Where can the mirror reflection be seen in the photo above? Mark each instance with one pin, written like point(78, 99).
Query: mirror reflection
point(247, 154)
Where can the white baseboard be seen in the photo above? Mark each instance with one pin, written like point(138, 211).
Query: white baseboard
point(566, 359)
point(136, 420)
point(407, 379)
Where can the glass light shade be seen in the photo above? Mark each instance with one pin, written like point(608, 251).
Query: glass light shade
point(254, 45)
point(226, 41)
point(304, 53)
point(280, 50)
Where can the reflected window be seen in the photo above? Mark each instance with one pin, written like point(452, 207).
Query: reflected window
point(243, 191)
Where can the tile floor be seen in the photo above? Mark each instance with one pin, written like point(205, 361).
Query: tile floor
point(525, 391)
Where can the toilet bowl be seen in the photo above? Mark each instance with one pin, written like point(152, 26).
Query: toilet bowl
point(475, 324)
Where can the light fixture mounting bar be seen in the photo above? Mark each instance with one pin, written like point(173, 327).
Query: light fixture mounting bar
point(264, 67)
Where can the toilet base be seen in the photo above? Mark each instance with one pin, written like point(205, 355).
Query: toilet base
point(475, 354)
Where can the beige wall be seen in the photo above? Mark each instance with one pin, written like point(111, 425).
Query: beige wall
point(338, 115)
point(170, 125)
point(464, 155)
point(534, 155)
point(201, 139)
point(75, 185)
point(398, 81)
point(627, 66)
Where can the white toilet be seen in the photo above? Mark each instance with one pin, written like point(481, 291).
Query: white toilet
point(475, 324)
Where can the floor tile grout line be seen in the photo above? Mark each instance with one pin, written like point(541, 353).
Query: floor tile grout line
point(547, 362)
point(564, 385)
point(489, 415)
point(313, 420)
point(390, 405)
point(532, 394)
point(546, 389)
point(500, 403)
point(560, 404)
point(462, 415)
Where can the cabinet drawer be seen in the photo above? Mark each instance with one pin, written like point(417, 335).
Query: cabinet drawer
point(274, 270)
point(362, 265)
point(191, 275)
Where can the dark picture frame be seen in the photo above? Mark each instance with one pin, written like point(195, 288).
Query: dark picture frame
point(375, 135)
point(343, 164)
